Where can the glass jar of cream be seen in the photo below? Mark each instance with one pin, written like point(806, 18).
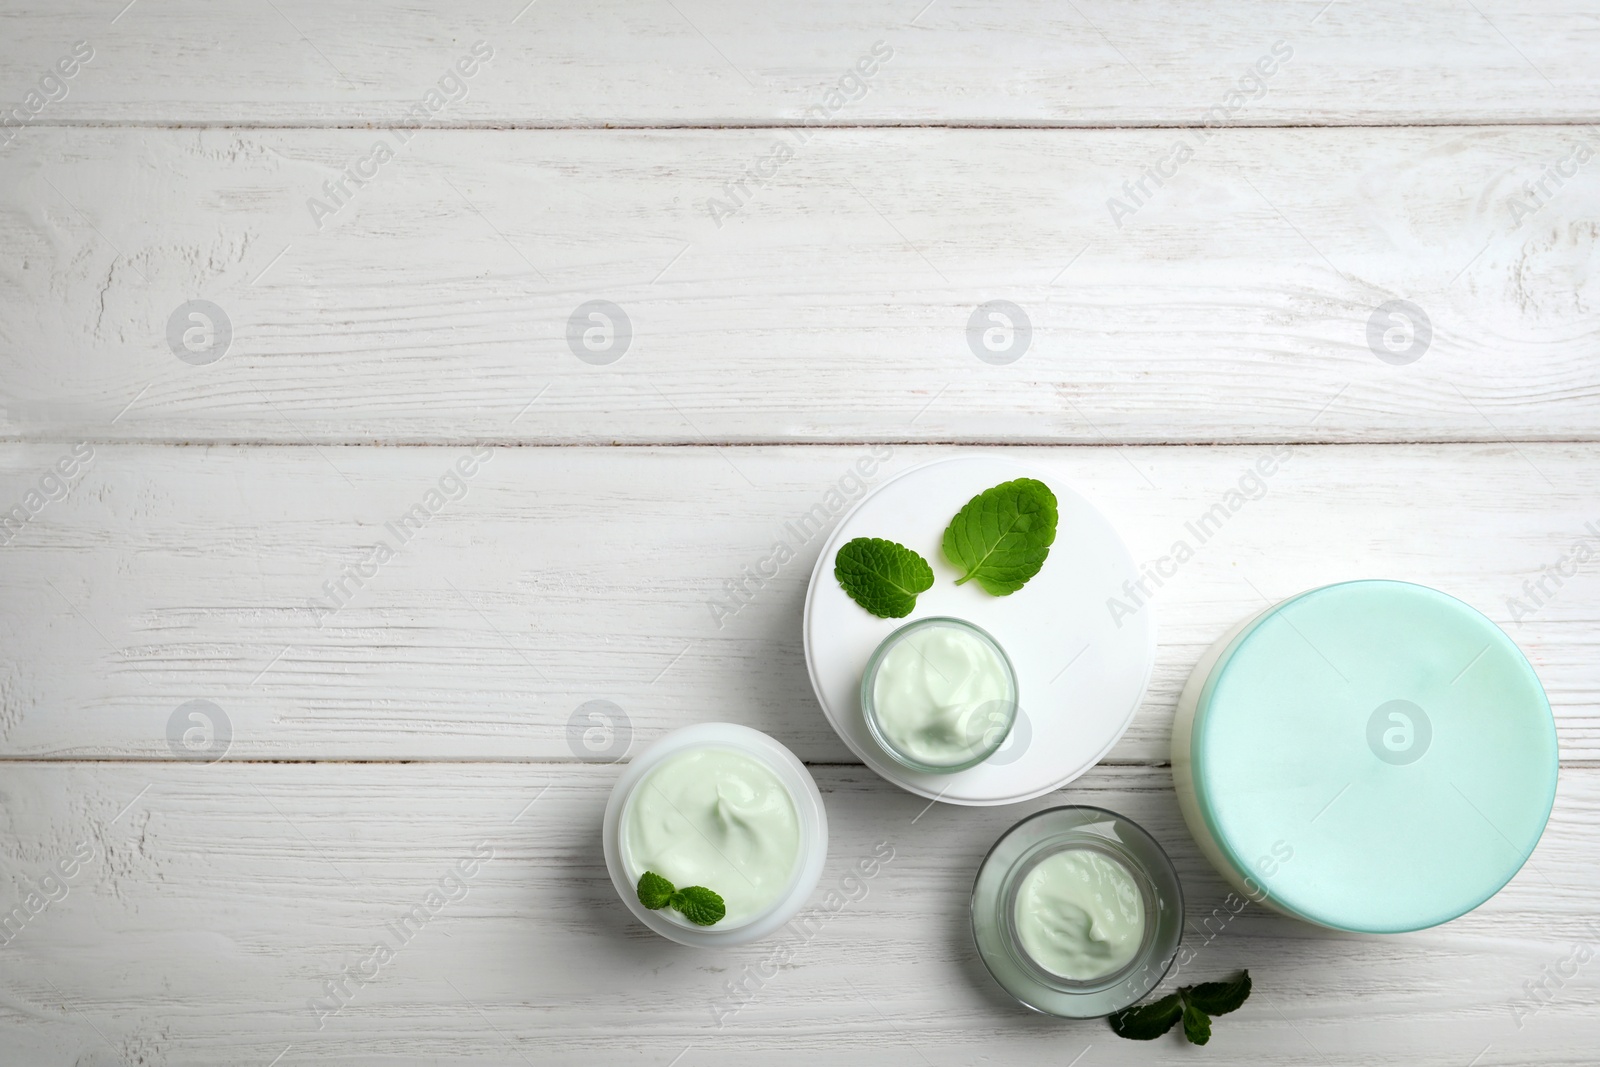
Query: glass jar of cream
point(939, 695)
point(1077, 912)
point(725, 807)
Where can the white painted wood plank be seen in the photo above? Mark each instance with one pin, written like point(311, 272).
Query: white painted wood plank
point(1239, 303)
point(566, 575)
point(716, 61)
point(220, 899)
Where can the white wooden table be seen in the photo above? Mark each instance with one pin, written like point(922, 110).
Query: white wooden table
point(1316, 162)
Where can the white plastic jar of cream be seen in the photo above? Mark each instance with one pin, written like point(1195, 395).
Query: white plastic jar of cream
point(724, 806)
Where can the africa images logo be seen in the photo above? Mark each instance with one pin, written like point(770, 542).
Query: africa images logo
point(1399, 732)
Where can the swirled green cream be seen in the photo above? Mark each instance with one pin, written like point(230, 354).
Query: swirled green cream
point(717, 818)
point(1080, 915)
point(938, 692)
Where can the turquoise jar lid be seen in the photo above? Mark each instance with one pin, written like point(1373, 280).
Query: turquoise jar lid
point(1373, 756)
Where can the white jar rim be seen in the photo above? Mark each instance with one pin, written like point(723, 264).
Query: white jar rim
point(809, 811)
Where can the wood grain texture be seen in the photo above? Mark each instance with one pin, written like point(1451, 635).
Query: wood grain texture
point(434, 305)
point(794, 341)
point(565, 575)
point(220, 899)
point(719, 62)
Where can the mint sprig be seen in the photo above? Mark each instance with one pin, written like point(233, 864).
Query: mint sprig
point(882, 576)
point(696, 903)
point(1193, 1004)
point(1002, 536)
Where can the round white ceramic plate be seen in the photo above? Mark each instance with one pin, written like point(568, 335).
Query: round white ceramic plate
point(1080, 674)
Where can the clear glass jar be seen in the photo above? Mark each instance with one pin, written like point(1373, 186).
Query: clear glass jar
point(985, 727)
point(994, 906)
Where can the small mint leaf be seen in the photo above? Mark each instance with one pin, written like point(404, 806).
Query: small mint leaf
point(654, 891)
point(1146, 1022)
point(1002, 536)
point(1196, 1024)
point(882, 576)
point(1219, 998)
point(699, 905)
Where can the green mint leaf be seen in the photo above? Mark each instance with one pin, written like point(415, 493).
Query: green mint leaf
point(1193, 1004)
point(1002, 536)
point(654, 890)
point(1196, 1024)
point(1219, 998)
point(882, 576)
point(699, 905)
point(1146, 1022)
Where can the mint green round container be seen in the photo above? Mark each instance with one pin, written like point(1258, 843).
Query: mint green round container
point(1373, 756)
